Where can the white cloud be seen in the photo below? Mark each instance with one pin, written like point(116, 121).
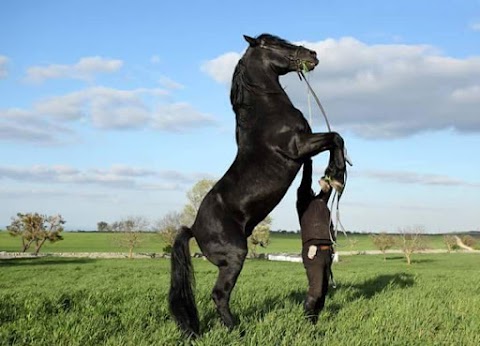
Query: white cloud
point(383, 91)
point(405, 177)
point(85, 69)
point(221, 68)
point(104, 107)
point(117, 176)
point(179, 117)
point(475, 26)
point(18, 125)
point(100, 107)
point(42, 193)
point(155, 59)
point(170, 83)
point(470, 94)
point(3, 66)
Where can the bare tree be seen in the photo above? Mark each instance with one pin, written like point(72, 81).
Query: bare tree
point(129, 232)
point(167, 227)
point(383, 242)
point(195, 197)
point(352, 242)
point(260, 236)
point(411, 241)
point(36, 229)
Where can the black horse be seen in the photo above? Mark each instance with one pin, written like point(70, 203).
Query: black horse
point(273, 140)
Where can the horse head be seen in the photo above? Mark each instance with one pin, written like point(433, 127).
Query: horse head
point(280, 55)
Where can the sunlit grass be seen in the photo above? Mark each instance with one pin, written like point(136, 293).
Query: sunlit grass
point(55, 301)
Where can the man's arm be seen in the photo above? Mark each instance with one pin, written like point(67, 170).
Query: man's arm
point(304, 190)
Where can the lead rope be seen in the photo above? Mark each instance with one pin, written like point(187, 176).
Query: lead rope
point(336, 195)
point(302, 75)
point(309, 93)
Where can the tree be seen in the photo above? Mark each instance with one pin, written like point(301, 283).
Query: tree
point(450, 242)
point(352, 242)
point(37, 229)
point(195, 197)
point(129, 232)
point(411, 241)
point(260, 236)
point(383, 242)
point(167, 228)
point(102, 226)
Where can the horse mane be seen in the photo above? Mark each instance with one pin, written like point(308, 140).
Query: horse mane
point(242, 88)
point(272, 39)
point(239, 86)
point(239, 93)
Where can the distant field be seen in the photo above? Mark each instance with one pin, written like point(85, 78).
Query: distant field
point(105, 242)
point(85, 242)
point(59, 301)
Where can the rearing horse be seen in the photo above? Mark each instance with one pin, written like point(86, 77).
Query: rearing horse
point(273, 140)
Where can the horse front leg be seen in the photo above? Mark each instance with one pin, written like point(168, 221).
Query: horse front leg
point(305, 145)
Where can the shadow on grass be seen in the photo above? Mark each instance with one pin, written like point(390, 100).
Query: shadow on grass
point(414, 259)
point(395, 258)
point(365, 290)
point(354, 291)
point(12, 262)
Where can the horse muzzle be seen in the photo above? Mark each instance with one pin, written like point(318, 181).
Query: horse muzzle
point(310, 64)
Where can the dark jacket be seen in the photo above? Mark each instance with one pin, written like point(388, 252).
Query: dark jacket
point(313, 213)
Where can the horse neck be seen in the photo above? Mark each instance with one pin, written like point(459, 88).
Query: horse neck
point(265, 79)
point(253, 82)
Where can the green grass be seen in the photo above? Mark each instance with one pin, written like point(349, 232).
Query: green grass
point(58, 301)
point(105, 242)
point(85, 242)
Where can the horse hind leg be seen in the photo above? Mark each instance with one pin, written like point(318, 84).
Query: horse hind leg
point(229, 265)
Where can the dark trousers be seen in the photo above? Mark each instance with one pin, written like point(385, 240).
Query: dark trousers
point(318, 273)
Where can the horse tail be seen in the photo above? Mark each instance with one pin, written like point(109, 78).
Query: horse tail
point(181, 298)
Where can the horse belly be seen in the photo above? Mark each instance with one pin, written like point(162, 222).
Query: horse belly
point(260, 188)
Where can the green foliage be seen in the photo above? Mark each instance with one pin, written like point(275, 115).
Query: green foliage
point(103, 226)
point(260, 236)
point(120, 302)
point(34, 228)
point(195, 197)
point(450, 242)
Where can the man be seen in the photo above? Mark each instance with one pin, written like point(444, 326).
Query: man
point(317, 240)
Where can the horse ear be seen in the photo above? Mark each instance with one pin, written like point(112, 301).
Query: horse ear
point(251, 41)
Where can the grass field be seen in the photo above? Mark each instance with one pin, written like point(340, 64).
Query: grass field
point(59, 301)
point(105, 242)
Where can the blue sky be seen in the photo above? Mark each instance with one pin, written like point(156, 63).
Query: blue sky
point(115, 109)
